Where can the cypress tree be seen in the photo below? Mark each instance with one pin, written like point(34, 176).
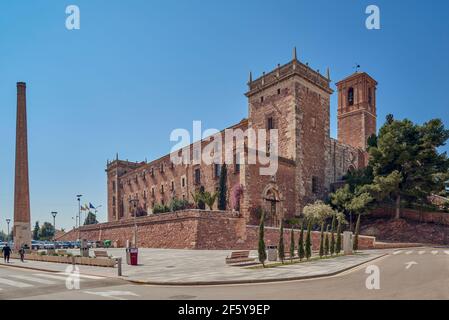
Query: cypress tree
point(338, 243)
point(322, 241)
point(222, 188)
point(281, 249)
point(332, 246)
point(36, 231)
point(261, 249)
point(301, 252)
point(292, 245)
point(309, 241)
point(326, 243)
point(356, 236)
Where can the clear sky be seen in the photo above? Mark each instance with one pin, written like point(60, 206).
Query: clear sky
point(138, 69)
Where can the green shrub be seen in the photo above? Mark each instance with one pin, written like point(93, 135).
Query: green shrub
point(338, 242)
point(356, 236)
point(322, 241)
point(159, 208)
point(309, 241)
point(261, 248)
point(301, 252)
point(179, 204)
point(281, 249)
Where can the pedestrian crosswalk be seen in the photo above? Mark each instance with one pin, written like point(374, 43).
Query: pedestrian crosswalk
point(421, 252)
point(24, 281)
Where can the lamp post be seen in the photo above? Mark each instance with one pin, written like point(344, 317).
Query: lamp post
point(54, 213)
point(78, 197)
point(134, 203)
point(7, 222)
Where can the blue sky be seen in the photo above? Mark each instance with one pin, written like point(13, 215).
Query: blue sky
point(138, 69)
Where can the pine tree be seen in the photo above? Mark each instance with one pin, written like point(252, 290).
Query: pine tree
point(309, 241)
point(301, 252)
point(332, 248)
point(281, 249)
point(261, 249)
point(338, 243)
point(326, 243)
point(223, 189)
point(356, 236)
point(322, 241)
point(292, 244)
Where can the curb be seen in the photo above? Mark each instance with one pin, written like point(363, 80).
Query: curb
point(251, 281)
point(54, 271)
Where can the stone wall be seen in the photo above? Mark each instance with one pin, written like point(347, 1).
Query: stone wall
point(414, 215)
point(192, 229)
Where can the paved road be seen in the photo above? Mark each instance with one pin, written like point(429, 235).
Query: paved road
point(404, 274)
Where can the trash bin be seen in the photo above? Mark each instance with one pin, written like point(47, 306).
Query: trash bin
point(272, 253)
point(131, 256)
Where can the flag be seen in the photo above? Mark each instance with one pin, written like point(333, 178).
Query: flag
point(91, 206)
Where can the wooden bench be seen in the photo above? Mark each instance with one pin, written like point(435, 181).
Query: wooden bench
point(239, 257)
point(101, 254)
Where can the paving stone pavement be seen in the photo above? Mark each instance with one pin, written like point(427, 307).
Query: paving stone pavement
point(166, 266)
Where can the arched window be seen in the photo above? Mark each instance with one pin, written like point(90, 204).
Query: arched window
point(351, 96)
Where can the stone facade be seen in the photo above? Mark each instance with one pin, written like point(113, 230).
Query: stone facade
point(295, 100)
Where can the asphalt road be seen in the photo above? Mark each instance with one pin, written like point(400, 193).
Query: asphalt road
point(404, 274)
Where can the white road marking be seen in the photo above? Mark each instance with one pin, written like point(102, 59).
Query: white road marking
point(113, 294)
point(446, 252)
point(397, 252)
point(410, 264)
point(82, 276)
point(421, 252)
point(409, 252)
point(50, 276)
point(15, 283)
point(33, 279)
point(434, 252)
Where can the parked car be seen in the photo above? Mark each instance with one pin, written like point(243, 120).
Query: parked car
point(36, 245)
point(49, 245)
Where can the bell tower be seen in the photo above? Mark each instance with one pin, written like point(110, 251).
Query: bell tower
point(357, 111)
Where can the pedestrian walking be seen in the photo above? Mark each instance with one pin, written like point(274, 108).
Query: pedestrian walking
point(6, 252)
point(22, 254)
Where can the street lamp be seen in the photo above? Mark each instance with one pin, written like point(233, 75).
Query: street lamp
point(134, 203)
point(54, 213)
point(7, 222)
point(78, 197)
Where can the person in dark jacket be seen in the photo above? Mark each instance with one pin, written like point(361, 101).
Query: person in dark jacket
point(22, 254)
point(6, 252)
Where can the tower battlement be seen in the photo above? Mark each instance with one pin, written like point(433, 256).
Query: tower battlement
point(292, 68)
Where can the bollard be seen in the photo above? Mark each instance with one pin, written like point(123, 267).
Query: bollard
point(347, 243)
point(119, 266)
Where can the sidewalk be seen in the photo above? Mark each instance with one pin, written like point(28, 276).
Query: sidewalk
point(188, 267)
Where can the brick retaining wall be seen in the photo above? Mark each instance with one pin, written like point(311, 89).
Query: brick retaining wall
point(414, 215)
point(192, 229)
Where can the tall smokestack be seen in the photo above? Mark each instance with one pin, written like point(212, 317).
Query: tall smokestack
point(22, 227)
